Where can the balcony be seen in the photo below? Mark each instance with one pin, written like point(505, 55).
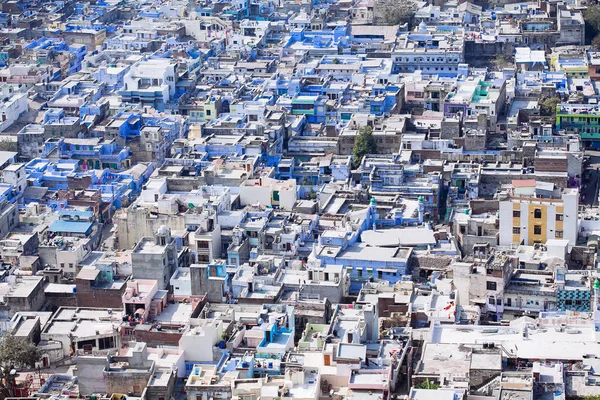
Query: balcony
point(114, 158)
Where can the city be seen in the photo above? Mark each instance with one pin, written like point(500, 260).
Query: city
point(299, 199)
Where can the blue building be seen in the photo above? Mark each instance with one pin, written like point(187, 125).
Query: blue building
point(311, 106)
point(93, 153)
point(362, 262)
point(45, 50)
point(73, 224)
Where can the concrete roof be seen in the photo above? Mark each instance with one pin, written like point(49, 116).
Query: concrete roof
point(399, 237)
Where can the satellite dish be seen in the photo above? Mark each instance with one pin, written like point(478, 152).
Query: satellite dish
point(191, 205)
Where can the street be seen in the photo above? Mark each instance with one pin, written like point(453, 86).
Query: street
point(589, 191)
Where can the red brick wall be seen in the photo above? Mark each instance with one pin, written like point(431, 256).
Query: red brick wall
point(551, 164)
point(155, 338)
point(90, 297)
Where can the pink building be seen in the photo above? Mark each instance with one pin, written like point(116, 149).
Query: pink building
point(142, 300)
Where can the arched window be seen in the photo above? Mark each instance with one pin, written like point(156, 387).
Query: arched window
point(537, 213)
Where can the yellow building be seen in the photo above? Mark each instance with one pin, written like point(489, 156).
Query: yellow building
point(535, 212)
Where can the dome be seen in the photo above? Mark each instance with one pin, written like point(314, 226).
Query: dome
point(162, 230)
point(373, 201)
point(422, 27)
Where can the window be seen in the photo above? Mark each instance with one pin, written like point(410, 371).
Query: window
point(62, 265)
point(537, 230)
point(203, 245)
point(360, 272)
point(508, 302)
point(559, 234)
point(490, 285)
point(207, 112)
point(498, 302)
point(491, 301)
point(537, 213)
point(106, 343)
point(516, 231)
point(516, 214)
point(559, 217)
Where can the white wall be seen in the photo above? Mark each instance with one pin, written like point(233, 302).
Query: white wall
point(255, 194)
point(182, 286)
point(287, 198)
point(71, 258)
point(157, 186)
point(571, 218)
point(198, 346)
point(506, 209)
point(12, 109)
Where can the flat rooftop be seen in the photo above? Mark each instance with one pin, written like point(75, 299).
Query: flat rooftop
point(548, 342)
point(177, 314)
point(149, 246)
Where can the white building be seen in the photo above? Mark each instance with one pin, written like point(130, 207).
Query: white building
point(12, 108)
point(146, 78)
point(15, 175)
point(268, 191)
point(198, 340)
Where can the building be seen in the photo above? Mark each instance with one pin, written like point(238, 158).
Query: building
point(155, 258)
point(150, 83)
point(581, 120)
point(534, 212)
point(269, 192)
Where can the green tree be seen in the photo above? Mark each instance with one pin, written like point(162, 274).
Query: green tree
point(393, 12)
point(364, 144)
point(7, 145)
point(501, 61)
point(548, 106)
point(592, 24)
point(18, 352)
point(427, 385)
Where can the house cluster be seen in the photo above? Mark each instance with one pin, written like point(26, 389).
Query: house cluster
point(259, 200)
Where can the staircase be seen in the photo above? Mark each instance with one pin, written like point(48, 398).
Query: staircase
point(487, 387)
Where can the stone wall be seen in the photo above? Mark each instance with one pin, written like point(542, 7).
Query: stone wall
point(90, 375)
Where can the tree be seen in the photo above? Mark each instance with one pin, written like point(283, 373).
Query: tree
point(548, 106)
point(18, 352)
point(501, 62)
point(427, 385)
point(7, 145)
point(394, 12)
point(364, 144)
point(592, 24)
